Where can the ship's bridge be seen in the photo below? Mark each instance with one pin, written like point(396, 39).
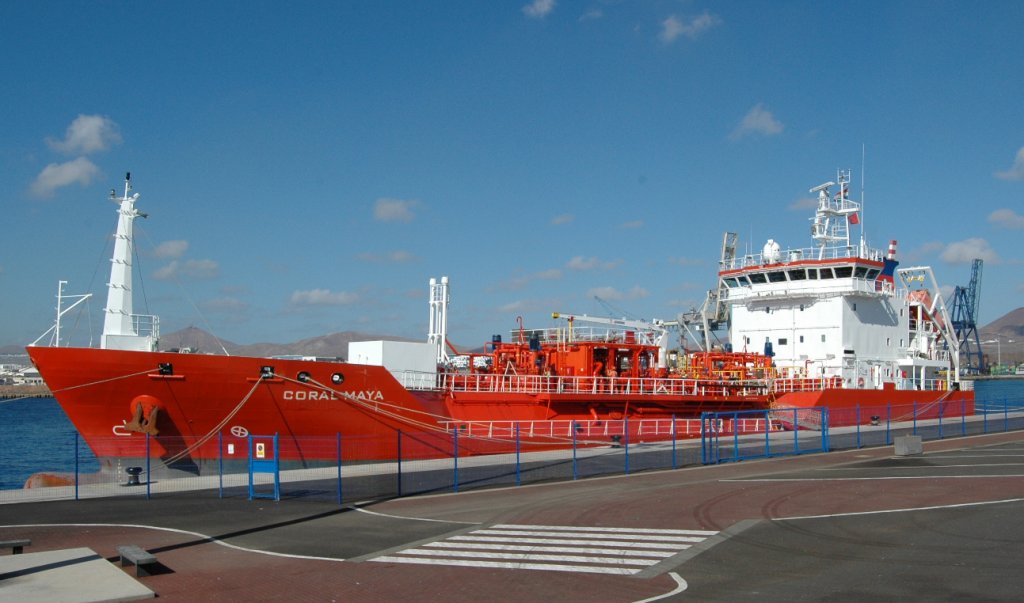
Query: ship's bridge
point(821, 272)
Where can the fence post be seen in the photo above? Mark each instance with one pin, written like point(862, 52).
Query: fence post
point(984, 418)
point(338, 447)
point(796, 433)
point(767, 442)
point(674, 464)
point(519, 477)
point(220, 464)
point(455, 449)
point(625, 436)
point(399, 462)
point(76, 464)
point(888, 423)
point(575, 472)
point(735, 436)
point(1006, 414)
point(149, 476)
point(942, 407)
point(963, 415)
point(858, 425)
point(825, 444)
point(914, 414)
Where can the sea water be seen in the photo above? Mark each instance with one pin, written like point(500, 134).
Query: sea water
point(36, 435)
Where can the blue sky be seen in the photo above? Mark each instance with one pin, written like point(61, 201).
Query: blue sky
point(307, 167)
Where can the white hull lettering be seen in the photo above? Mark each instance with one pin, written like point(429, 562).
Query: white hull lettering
point(367, 395)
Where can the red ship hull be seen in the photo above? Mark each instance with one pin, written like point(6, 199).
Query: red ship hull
point(206, 406)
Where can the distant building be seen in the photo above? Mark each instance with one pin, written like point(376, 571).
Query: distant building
point(27, 376)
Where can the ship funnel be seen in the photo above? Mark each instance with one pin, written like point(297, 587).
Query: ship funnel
point(892, 250)
point(438, 330)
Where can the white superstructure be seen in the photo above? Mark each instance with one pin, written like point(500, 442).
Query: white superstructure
point(840, 309)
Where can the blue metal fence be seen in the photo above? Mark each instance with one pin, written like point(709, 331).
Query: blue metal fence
point(441, 462)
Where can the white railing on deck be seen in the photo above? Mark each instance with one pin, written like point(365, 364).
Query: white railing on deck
point(610, 386)
point(632, 386)
point(603, 429)
point(806, 253)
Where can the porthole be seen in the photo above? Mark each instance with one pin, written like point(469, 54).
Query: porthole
point(337, 378)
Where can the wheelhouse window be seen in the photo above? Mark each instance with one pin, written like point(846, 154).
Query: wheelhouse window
point(826, 273)
point(758, 278)
point(777, 277)
point(797, 275)
point(860, 272)
point(843, 271)
point(729, 282)
point(812, 274)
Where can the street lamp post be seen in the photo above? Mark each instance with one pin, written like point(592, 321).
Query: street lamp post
point(999, 348)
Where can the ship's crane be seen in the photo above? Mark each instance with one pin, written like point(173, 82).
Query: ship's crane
point(714, 313)
point(658, 328)
point(965, 302)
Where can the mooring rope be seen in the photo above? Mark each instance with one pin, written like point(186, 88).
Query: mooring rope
point(216, 429)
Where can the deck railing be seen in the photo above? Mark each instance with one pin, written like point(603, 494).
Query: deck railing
point(632, 386)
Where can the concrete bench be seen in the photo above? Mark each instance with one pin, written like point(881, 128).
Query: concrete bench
point(16, 546)
point(908, 445)
point(138, 556)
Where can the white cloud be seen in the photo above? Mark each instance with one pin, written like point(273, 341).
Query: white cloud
point(673, 26)
point(613, 294)
point(592, 14)
point(966, 251)
point(87, 134)
point(632, 224)
point(394, 210)
point(757, 121)
point(511, 307)
point(57, 175)
point(562, 219)
point(538, 9)
point(171, 249)
point(1016, 171)
point(581, 263)
point(225, 304)
point(518, 282)
point(322, 297)
point(397, 256)
point(686, 261)
point(195, 269)
point(804, 203)
point(1007, 218)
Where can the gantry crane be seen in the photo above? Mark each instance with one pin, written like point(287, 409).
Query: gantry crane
point(965, 302)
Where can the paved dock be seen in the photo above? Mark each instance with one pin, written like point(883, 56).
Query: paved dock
point(843, 526)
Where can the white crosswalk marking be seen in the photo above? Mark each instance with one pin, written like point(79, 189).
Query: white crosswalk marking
point(622, 551)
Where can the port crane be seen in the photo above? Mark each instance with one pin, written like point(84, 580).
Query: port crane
point(965, 302)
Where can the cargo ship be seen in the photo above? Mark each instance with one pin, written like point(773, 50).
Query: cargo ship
point(834, 325)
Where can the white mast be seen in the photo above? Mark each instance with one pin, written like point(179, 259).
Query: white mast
point(121, 329)
point(830, 226)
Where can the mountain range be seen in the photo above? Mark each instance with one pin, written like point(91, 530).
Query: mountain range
point(1009, 330)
